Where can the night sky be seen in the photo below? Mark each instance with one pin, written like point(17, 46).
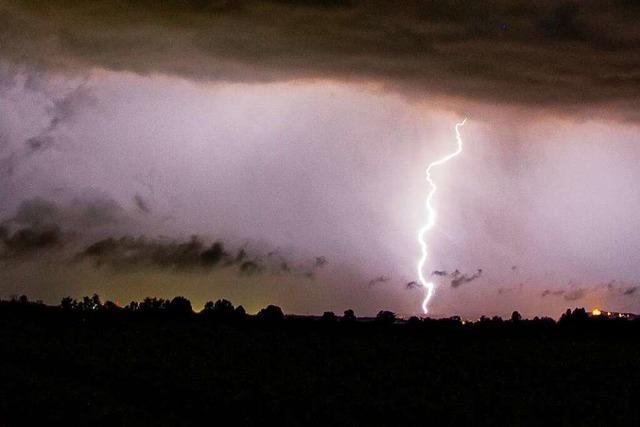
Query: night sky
point(273, 152)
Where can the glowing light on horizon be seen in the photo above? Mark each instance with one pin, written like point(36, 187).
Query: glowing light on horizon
point(431, 220)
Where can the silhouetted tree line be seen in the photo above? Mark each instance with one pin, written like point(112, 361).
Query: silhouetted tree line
point(223, 310)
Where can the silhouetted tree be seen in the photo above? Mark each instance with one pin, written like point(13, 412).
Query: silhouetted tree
point(220, 306)
point(240, 313)
point(180, 306)
point(132, 306)
point(516, 317)
point(578, 315)
point(220, 310)
point(152, 305)
point(329, 317)
point(111, 306)
point(349, 316)
point(386, 317)
point(543, 321)
point(68, 303)
point(223, 306)
point(271, 313)
point(414, 320)
point(89, 303)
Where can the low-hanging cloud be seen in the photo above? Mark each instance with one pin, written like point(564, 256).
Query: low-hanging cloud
point(574, 294)
point(457, 278)
point(378, 280)
point(412, 285)
point(496, 51)
point(28, 240)
point(71, 232)
point(612, 288)
point(79, 212)
point(128, 253)
point(555, 293)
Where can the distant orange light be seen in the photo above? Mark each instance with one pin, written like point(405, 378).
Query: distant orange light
point(596, 312)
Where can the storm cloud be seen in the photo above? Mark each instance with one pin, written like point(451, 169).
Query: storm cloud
point(82, 213)
point(130, 253)
point(28, 240)
point(528, 53)
point(71, 232)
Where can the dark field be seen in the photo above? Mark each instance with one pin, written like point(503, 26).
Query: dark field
point(135, 368)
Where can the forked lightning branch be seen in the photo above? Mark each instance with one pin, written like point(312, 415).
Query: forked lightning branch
point(431, 221)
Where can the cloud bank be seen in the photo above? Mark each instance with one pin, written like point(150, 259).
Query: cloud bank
point(527, 53)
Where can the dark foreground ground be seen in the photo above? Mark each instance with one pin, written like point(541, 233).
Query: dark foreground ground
point(157, 369)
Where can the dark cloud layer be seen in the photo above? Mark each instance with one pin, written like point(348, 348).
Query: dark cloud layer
point(81, 213)
point(71, 232)
point(576, 293)
point(136, 252)
point(533, 53)
point(28, 240)
point(457, 278)
point(129, 253)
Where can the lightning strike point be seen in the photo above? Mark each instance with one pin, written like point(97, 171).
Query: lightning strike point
point(431, 220)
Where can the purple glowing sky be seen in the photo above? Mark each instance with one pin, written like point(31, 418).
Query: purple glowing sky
point(543, 199)
point(324, 168)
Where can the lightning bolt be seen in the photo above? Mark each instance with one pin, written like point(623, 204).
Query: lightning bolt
point(431, 220)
